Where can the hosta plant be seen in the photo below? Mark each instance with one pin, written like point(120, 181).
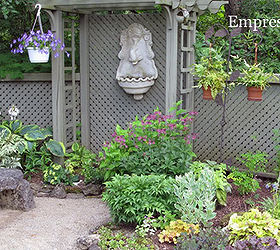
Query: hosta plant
point(11, 148)
point(34, 135)
point(253, 223)
point(196, 196)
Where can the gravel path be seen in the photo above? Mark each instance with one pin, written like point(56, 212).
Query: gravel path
point(53, 225)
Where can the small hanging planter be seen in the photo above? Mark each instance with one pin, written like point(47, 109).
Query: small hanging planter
point(35, 41)
point(38, 56)
point(254, 94)
point(207, 95)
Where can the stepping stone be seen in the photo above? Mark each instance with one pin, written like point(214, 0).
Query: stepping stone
point(15, 192)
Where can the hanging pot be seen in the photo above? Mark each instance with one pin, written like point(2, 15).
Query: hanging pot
point(207, 94)
point(38, 56)
point(254, 94)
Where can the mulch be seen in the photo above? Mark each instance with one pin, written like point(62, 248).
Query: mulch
point(237, 203)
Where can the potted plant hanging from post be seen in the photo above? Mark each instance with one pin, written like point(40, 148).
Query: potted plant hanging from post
point(38, 44)
point(256, 81)
point(212, 74)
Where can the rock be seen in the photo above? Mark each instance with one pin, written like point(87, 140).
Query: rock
point(85, 242)
point(75, 196)
point(92, 190)
point(15, 192)
point(59, 192)
point(9, 178)
point(94, 247)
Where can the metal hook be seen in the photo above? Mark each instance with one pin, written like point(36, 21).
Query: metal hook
point(39, 6)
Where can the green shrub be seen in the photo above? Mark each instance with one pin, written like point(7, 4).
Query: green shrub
point(11, 148)
point(253, 223)
point(158, 144)
point(83, 162)
point(130, 198)
point(246, 183)
point(221, 183)
point(254, 162)
point(205, 239)
point(196, 196)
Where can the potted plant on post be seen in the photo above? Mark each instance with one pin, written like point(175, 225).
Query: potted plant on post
point(256, 81)
point(212, 74)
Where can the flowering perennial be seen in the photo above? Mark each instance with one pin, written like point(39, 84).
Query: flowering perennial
point(38, 40)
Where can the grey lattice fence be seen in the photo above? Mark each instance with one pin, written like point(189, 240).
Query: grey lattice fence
point(249, 125)
point(34, 100)
point(109, 105)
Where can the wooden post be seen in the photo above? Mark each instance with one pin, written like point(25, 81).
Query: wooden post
point(58, 95)
point(171, 58)
point(84, 69)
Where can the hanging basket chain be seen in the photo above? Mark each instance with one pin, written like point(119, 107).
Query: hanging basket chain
point(38, 18)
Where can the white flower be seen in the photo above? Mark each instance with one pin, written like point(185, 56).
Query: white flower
point(13, 112)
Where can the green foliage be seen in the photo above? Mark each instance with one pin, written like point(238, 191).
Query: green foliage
point(83, 162)
point(273, 205)
point(110, 240)
point(36, 159)
point(221, 183)
point(157, 144)
point(18, 65)
point(211, 72)
point(245, 182)
point(34, 135)
point(254, 162)
point(196, 196)
point(205, 239)
point(243, 44)
point(57, 174)
point(130, 198)
point(264, 243)
point(174, 230)
point(164, 219)
point(10, 150)
point(254, 76)
point(253, 223)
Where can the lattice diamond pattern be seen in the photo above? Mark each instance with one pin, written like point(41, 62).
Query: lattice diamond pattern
point(249, 125)
point(34, 100)
point(109, 104)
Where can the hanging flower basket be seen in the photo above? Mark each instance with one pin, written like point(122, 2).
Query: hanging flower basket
point(207, 94)
point(38, 44)
point(37, 55)
point(254, 94)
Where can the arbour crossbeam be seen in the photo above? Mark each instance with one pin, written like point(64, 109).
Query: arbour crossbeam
point(182, 34)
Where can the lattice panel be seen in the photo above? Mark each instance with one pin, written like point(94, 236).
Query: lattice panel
point(109, 104)
point(249, 125)
point(68, 113)
point(34, 100)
